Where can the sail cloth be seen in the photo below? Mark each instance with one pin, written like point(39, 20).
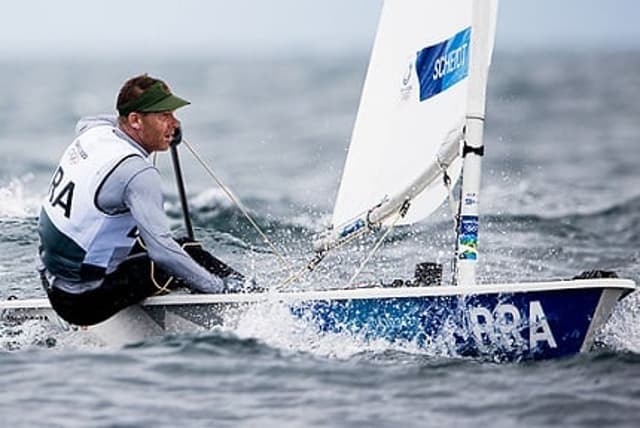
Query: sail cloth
point(415, 94)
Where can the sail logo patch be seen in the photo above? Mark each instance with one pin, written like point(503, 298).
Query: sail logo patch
point(444, 64)
point(408, 82)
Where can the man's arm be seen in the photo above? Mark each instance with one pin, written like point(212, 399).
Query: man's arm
point(143, 197)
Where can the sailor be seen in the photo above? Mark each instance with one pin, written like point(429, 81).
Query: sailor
point(105, 241)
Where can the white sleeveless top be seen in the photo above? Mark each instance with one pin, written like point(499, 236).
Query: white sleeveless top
point(102, 240)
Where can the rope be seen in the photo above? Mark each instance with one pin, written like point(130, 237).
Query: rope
point(447, 184)
point(320, 256)
point(164, 288)
point(309, 267)
point(239, 204)
point(313, 263)
point(161, 288)
point(401, 213)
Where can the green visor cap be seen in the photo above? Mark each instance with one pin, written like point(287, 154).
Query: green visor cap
point(155, 99)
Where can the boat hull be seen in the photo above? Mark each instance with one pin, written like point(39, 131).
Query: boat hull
point(521, 325)
point(500, 322)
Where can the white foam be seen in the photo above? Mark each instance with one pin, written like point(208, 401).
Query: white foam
point(213, 198)
point(16, 202)
point(275, 325)
point(31, 333)
point(622, 330)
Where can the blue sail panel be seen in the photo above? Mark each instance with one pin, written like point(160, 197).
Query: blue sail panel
point(444, 64)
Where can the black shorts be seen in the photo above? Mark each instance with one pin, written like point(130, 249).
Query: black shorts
point(129, 284)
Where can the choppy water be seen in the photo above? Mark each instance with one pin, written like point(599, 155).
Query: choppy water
point(560, 195)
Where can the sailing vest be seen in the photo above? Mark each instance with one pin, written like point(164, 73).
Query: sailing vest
point(79, 241)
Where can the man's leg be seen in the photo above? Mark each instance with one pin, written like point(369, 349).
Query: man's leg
point(128, 285)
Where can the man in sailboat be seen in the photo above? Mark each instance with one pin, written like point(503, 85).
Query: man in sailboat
point(105, 239)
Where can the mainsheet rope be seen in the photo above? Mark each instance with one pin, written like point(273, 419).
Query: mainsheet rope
point(162, 288)
point(238, 203)
point(309, 267)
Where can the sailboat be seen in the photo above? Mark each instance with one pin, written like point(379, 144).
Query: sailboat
point(419, 130)
point(419, 127)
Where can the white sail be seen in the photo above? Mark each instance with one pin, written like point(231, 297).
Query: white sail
point(415, 95)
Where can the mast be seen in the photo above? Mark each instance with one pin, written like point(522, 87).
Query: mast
point(482, 38)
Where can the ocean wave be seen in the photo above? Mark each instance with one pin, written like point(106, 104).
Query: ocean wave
point(620, 221)
point(212, 209)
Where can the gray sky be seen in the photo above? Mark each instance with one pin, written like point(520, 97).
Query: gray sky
point(37, 28)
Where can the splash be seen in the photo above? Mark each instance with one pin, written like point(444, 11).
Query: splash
point(28, 334)
point(39, 331)
point(274, 324)
point(622, 330)
point(211, 199)
point(15, 202)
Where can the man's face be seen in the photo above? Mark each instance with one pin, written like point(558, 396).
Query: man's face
point(156, 130)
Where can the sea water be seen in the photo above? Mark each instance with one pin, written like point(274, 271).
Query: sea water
point(561, 195)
